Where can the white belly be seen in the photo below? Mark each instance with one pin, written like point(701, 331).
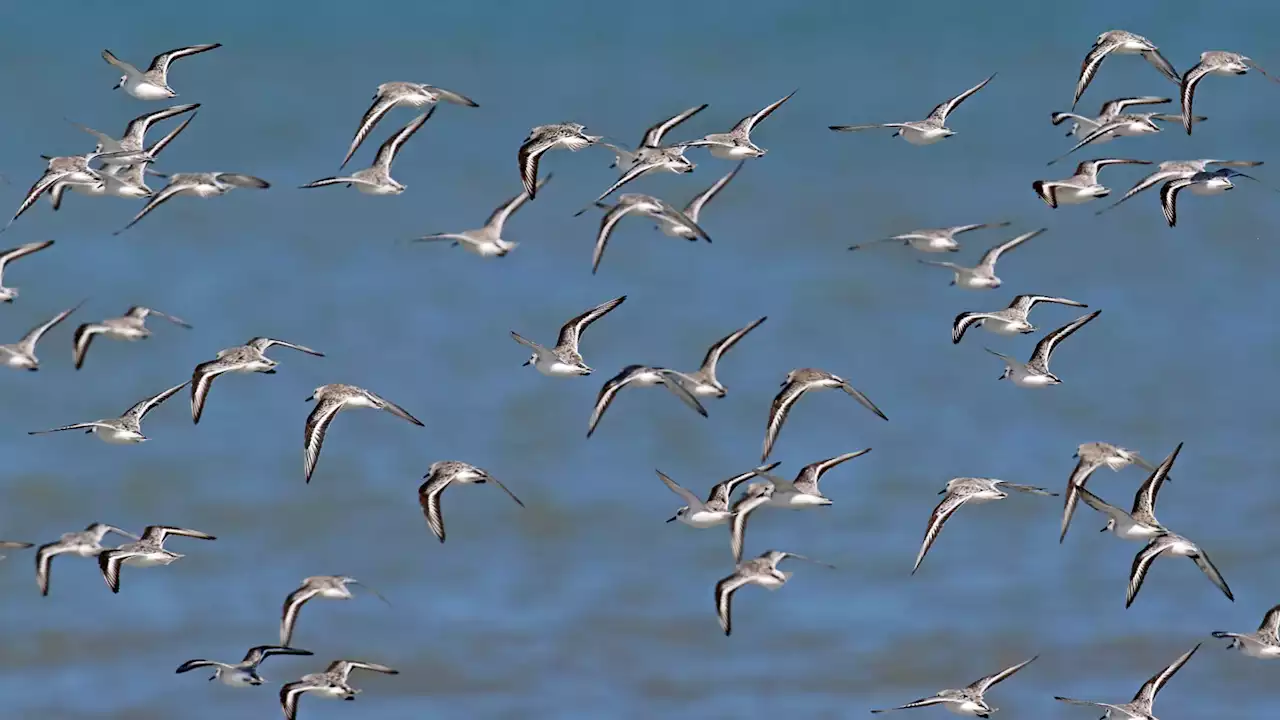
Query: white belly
point(19, 361)
point(934, 245)
point(1132, 129)
point(235, 678)
point(797, 500)
point(705, 519)
point(969, 281)
point(1076, 196)
point(922, 137)
point(1209, 188)
point(964, 708)
point(330, 693)
point(1129, 530)
point(555, 368)
point(380, 189)
point(734, 152)
point(147, 91)
point(1022, 378)
point(116, 436)
point(145, 561)
point(1256, 649)
point(1000, 327)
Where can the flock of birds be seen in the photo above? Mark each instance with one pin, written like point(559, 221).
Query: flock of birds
point(120, 168)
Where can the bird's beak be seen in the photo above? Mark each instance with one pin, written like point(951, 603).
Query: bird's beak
point(526, 362)
point(942, 491)
point(673, 517)
point(310, 397)
point(1103, 530)
point(117, 87)
point(214, 677)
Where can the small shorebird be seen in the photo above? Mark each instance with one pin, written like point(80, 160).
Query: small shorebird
point(1081, 187)
point(488, 241)
point(1010, 321)
point(149, 551)
point(330, 400)
point(124, 430)
point(439, 476)
point(68, 171)
point(1171, 544)
point(762, 571)
point(1263, 644)
point(8, 294)
point(651, 155)
point(1140, 708)
point(22, 354)
point(122, 181)
point(636, 203)
point(983, 275)
point(803, 492)
point(1202, 183)
point(331, 684)
point(564, 360)
point(1140, 523)
point(569, 136)
point(799, 382)
point(969, 700)
point(923, 132)
point(203, 185)
point(739, 511)
point(135, 133)
point(13, 545)
point(625, 159)
point(244, 672)
point(328, 587)
point(1082, 126)
point(1091, 456)
point(703, 382)
point(376, 179)
point(129, 327)
point(1119, 42)
point(153, 84)
point(248, 358)
point(971, 491)
point(86, 544)
point(391, 95)
point(932, 240)
point(642, 376)
point(715, 511)
point(1213, 62)
point(673, 227)
point(1125, 125)
point(1035, 372)
point(736, 144)
point(1178, 170)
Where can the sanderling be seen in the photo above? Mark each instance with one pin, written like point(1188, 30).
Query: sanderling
point(86, 543)
point(1213, 62)
point(129, 327)
point(762, 571)
point(330, 400)
point(488, 241)
point(629, 203)
point(799, 382)
point(204, 185)
point(13, 545)
point(328, 587)
point(122, 181)
point(564, 360)
point(1213, 182)
point(651, 155)
point(7, 294)
point(124, 430)
point(1120, 42)
point(968, 700)
point(1091, 456)
point(439, 476)
point(672, 227)
point(1140, 708)
point(1035, 372)
point(248, 358)
point(1140, 523)
point(703, 382)
point(642, 376)
point(971, 491)
point(149, 551)
point(135, 133)
point(331, 684)
point(1081, 187)
point(932, 240)
point(923, 132)
point(22, 354)
point(400, 94)
point(1010, 321)
point(736, 144)
point(983, 275)
point(1263, 644)
point(569, 136)
point(376, 179)
point(715, 511)
point(244, 672)
point(1124, 125)
point(1176, 170)
point(803, 492)
point(154, 83)
point(1169, 543)
point(69, 170)
point(1081, 125)
point(739, 512)
point(652, 139)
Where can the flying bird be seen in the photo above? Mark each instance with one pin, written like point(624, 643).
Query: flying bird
point(488, 241)
point(967, 491)
point(1010, 321)
point(923, 132)
point(968, 700)
point(376, 179)
point(564, 360)
point(327, 587)
point(983, 275)
point(1213, 62)
point(391, 95)
point(1140, 708)
point(736, 144)
point(248, 358)
point(129, 327)
point(1035, 372)
point(799, 382)
point(567, 136)
point(124, 430)
point(440, 476)
point(1119, 42)
point(331, 684)
point(642, 376)
point(202, 185)
point(153, 83)
point(22, 354)
point(330, 400)
point(244, 672)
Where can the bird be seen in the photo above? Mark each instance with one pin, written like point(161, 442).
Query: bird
point(983, 275)
point(22, 354)
point(328, 587)
point(1177, 170)
point(564, 360)
point(65, 170)
point(1082, 126)
point(1081, 187)
point(672, 226)
point(715, 511)
point(1215, 182)
point(9, 294)
point(1172, 544)
point(153, 84)
point(439, 476)
point(1140, 523)
point(1120, 42)
point(803, 492)
point(330, 400)
point(203, 185)
point(487, 241)
point(248, 358)
point(390, 95)
point(376, 179)
point(762, 571)
point(86, 543)
point(1125, 125)
point(1140, 708)
point(972, 491)
point(1035, 372)
point(703, 382)
point(1263, 644)
point(567, 136)
point(1010, 321)
point(797, 383)
point(632, 203)
point(13, 545)
point(331, 684)
point(135, 133)
point(124, 430)
point(651, 155)
point(129, 327)
point(642, 376)
point(149, 551)
point(932, 240)
point(736, 144)
point(122, 181)
point(927, 131)
point(1213, 62)
point(244, 672)
point(739, 512)
point(968, 700)
point(1091, 456)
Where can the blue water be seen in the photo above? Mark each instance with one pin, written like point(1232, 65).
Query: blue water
point(585, 604)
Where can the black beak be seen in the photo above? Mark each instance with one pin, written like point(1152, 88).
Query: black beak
point(1103, 530)
point(310, 398)
point(117, 87)
point(215, 677)
point(673, 517)
point(526, 362)
point(942, 491)
point(272, 371)
point(34, 369)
